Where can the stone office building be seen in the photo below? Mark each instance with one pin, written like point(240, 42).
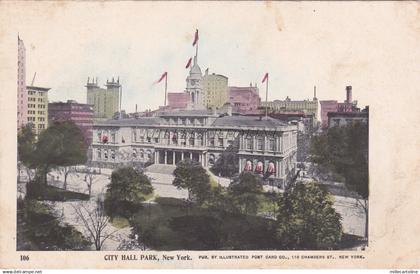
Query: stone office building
point(265, 145)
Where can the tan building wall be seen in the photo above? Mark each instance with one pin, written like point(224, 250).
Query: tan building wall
point(105, 101)
point(38, 108)
point(215, 88)
point(307, 106)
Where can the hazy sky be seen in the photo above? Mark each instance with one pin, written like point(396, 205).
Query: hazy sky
point(329, 45)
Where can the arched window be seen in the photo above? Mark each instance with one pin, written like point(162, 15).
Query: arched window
point(248, 166)
point(271, 168)
point(260, 167)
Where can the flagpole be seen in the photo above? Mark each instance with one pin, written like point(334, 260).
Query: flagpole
point(266, 98)
point(196, 51)
point(166, 87)
point(120, 100)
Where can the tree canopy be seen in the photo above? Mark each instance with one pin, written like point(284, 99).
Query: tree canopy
point(307, 219)
point(26, 145)
point(126, 192)
point(344, 151)
point(227, 165)
point(192, 176)
point(61, 144)
point(244, 192)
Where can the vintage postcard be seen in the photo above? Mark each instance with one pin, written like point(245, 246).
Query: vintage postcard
point(209, 134)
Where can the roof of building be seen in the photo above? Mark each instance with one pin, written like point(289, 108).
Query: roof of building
point(187, 113)
point(222, 121)
point(348, 114)
point(37, 88)
point(147, 121)
point(248, 121)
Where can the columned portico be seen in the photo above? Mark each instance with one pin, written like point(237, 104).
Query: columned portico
point(173, 157)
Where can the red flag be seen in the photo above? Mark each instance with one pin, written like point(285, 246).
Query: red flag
point(265, 77)
point(195, 37)
point(188, 63)
point(162, 77)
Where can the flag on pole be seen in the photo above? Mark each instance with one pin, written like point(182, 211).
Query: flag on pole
point(188, 63)
point(265, 77)
point(195, 37)
point(162, 77)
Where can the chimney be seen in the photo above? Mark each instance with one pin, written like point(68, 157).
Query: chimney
point(315, 94)
point(136, 108)
point(348, 91)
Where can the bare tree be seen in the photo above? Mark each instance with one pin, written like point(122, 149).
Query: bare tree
point(66, 170)
point(94, 221)
point(90, 178)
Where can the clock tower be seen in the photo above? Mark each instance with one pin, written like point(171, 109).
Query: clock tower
point(194, 87)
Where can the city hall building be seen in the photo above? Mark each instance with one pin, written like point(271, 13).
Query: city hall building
point(265, 145)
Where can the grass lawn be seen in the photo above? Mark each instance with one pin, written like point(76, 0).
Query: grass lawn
point(172, 224)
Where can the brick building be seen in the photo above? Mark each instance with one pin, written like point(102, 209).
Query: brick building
point(244, 100)
point(328, 106)
point(80, 114)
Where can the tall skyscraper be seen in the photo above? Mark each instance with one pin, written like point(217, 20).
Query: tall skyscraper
point(22, 95)
point(37, 108)
point(215, 87)
point(105, 101)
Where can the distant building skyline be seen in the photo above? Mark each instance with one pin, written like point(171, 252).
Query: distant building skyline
point(329, 106)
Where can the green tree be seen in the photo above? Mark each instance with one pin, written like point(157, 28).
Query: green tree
point(192, 176)
point(126, 192)
point(307, 219)
point(227, 165)
point(39, 228)
point(245, 191)
point(60, 145)
point(26, 149)
point(344, 151)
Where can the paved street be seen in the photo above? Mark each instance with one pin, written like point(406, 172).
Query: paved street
point(352, 213)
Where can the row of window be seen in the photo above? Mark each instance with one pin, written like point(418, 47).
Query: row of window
point(260, 144)
point(33, 99)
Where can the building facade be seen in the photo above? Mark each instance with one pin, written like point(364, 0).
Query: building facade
point(178, 100)
point(265, 145)
point(22, 95)
point(37, 108)
point(105, 101)
point(328, 106)
point(306, 106)
point(245, 100)
point(80, 114)
point(215, 88)
point(340, 119)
